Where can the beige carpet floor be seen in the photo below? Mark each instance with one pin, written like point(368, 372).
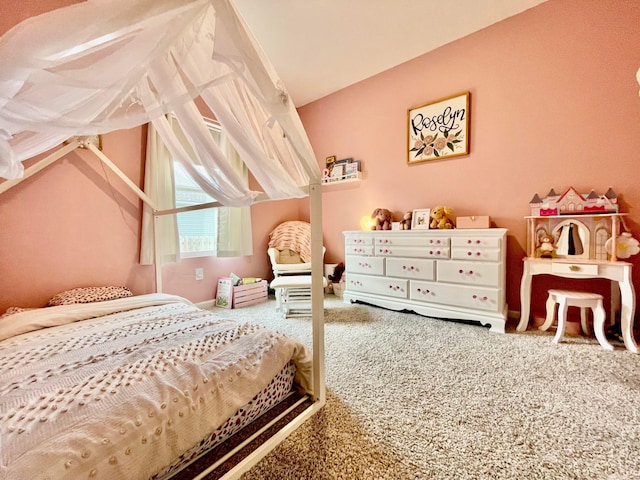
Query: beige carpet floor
point(411, 397)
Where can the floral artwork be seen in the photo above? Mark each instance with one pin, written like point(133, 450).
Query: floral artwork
point(439, 129)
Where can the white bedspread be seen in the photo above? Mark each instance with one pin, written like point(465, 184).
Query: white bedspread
point(123, 394)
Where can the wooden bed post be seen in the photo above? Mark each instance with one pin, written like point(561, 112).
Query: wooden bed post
point(317, 291)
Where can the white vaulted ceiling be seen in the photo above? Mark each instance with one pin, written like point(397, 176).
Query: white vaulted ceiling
point(320, 46)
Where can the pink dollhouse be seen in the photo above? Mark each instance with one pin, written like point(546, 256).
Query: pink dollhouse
point(573, 203)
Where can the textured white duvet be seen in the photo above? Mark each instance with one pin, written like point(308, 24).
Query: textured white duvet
point(123, 394)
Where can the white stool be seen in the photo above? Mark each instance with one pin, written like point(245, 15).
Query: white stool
point(293, 294)
point(584, 300)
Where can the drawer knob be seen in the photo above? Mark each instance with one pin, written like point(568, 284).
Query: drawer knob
point(574, 268)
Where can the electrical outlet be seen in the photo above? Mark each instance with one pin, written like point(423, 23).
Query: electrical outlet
point(199, 274)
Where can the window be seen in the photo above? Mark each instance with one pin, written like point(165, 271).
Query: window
point(222, 231)
point(196, 229)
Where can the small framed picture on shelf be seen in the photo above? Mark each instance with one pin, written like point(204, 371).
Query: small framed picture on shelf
point(420, 219)
point(351, 169)
point(330, 161)
point(337, 172)
point(344, 161)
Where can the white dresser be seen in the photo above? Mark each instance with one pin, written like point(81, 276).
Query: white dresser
point(456, 274)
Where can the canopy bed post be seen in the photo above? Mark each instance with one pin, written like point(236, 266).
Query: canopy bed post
point(157, 267)
point(162, 54)
point(317, 292)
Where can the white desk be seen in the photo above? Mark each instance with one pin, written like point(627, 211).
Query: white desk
point(622, 294)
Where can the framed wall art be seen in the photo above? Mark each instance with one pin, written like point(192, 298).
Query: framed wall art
point(438, 129)
point(420, 219)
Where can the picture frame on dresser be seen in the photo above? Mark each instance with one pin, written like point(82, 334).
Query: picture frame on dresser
point(420, 219)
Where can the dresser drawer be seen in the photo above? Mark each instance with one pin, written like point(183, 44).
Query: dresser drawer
point(480, 298)
point(471, 241)
point(358, 239)
point(353, 249)
point(411, 241)
point(472, 273)
point(419, 252)
point(475, 253)
point(418, 268)
point(574, 269)
point(390, 287)
point(369, 265)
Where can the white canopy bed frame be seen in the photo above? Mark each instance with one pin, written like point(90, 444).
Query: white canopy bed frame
point(134, 63)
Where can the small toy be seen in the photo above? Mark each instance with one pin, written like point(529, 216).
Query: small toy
point(382, 218)
point(546, 247)
point(439, 218)
point(337, 273)
point(405, 223)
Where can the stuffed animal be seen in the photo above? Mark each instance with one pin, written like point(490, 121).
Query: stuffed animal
point(405, 223)
point(440, 218)
point(382, 219)
point(546, 247)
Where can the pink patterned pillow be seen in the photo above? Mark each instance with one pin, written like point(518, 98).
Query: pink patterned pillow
point(89, 295)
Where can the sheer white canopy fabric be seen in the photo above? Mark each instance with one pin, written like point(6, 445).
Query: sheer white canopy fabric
point(105, 65)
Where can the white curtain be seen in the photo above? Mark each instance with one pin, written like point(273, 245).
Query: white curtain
point(233, 228)
point(235, 237)
point(133, 63)
point(159, 186)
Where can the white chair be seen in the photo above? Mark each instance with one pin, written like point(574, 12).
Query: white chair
point(567, 298)
point(289, 248)
point(290, 253)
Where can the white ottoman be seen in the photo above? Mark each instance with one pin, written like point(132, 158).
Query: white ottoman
point(293, 294)
point(567, 298)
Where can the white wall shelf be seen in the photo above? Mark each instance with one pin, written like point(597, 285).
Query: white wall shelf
point(331, 181)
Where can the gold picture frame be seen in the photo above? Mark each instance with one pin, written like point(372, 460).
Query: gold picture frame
point(439, 129)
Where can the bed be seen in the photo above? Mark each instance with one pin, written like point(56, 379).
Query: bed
point(125, 388)
point(63, 82)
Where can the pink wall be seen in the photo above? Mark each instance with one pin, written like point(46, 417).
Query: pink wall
point(76, 224)
point(554, 103)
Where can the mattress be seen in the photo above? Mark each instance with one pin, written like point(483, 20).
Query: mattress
point(120, 389)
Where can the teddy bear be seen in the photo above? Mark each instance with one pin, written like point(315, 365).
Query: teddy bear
point(405, 223)
point(439, 218)
point(546, 247)
point(382, 219)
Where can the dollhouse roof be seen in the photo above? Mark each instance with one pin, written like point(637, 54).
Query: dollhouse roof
point(611, 194)
point(592, 195)
point(570, 189)
point(535, 200)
